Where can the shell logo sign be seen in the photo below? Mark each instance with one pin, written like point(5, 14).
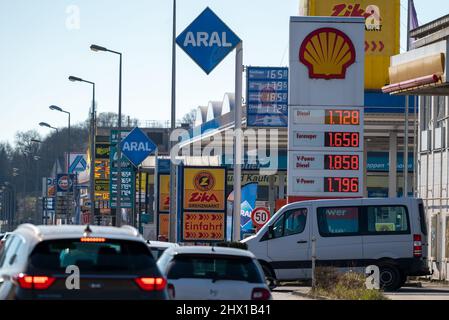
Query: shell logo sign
point(327, 53)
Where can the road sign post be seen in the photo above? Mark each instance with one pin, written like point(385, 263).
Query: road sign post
point(208, 40)
point(238, 137)
point(137, 147)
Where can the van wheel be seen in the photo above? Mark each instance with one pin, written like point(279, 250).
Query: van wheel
point(390, 278)
point(270, 278)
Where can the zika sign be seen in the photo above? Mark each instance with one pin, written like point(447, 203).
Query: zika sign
point(382, 31)
point(164, 193)
point(204, 189)
point(204, 226)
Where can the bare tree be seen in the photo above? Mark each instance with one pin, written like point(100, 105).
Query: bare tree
point(189, 118)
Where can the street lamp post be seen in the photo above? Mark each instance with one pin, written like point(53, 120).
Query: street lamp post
point(56, 108)
point(93, 126)
point(118, 216)
point(44, 124)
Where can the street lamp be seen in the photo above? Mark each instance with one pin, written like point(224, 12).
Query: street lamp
point(97, 48)
point(56, 108)
point(92, 147)
point(44, 124)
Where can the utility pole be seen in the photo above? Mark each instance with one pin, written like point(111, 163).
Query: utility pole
point(173, 215)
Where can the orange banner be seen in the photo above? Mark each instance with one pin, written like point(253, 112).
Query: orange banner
point(163, 224)
point(203, 226)
point(204, 189)
point(164, 193)
point(382, 31)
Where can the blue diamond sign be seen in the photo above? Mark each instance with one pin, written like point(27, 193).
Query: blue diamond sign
point(208, 40)
point(137, 146)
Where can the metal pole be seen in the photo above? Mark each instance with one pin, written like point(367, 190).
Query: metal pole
point(313, 262)
point(405, 193)
point(68, 169)
point(238, 142)
point(406, 148)
point(118, 217)
point(92, 160)
point(173, 215)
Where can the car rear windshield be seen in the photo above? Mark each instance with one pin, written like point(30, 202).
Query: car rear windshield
point(110, 256)
point(215, 267)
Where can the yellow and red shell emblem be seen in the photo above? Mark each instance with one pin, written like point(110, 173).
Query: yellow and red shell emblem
point(327, 53)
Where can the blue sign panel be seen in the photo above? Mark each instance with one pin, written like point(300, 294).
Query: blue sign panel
point(267, 97)
point(208, 40)
point(128, 176)
point(137, 146)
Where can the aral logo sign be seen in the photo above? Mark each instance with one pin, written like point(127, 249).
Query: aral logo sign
point(207, 40)
point(137, 146)
point(327, 53)
point(204, 189)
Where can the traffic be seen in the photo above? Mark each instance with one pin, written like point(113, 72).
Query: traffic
point(224, 150)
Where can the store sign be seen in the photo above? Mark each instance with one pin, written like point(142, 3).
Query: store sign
point(325, 132)
point(204, 226)
point(163, 225)
point(327, 53)
point(128, 176)
point(64, 183)
point(204, 189)
point(382, 31)
point(203, 204)
point(164, 193)
point(267, 97)
point(102, 151)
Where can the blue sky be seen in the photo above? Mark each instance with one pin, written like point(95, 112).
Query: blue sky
point(39, 52)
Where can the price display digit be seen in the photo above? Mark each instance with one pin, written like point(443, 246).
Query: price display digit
point(341, 185)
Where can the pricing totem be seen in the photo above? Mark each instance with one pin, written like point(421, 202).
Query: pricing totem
point(326, 115)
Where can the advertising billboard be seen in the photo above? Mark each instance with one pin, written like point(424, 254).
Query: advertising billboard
point(267, 96)
point(204, 189)
point(382, 31)
point(325, 132)
point(203, 204)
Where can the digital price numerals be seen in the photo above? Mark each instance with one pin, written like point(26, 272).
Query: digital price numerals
point(342, 117)
point(341, 185)
point(341, 162)
point(342, 139)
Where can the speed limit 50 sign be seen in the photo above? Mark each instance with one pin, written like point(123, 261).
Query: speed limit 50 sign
point(260, 216)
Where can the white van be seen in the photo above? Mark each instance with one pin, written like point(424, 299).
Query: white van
point(349, 233)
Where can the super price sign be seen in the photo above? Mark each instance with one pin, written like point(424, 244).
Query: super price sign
point(260, 216)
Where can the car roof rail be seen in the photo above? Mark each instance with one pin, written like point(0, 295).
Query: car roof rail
point(30, 227)
point(133, 230)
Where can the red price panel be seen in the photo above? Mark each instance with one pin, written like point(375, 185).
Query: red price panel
point(342, 139)
point(341, 185)
point(341, 162)
point(343, 117)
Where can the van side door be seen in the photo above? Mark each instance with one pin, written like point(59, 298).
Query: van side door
point(288, 244)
